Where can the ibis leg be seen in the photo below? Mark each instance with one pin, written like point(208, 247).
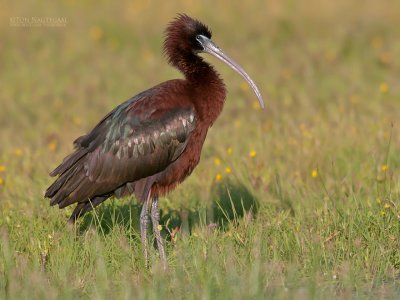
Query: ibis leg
point(155, 218)
point(144, 224)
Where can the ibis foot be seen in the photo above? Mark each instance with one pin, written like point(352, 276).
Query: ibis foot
point(155, 218)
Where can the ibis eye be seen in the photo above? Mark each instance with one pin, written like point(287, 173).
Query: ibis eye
point(199, 39)
point(199, 45)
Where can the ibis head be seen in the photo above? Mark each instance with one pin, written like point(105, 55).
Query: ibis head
point(187, 37)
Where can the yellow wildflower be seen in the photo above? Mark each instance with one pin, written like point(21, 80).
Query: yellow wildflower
point(217, 161)
point(159, 227)
point(229, 150)
point(95, 33)
point(2, 168)
point(148, 56)
point(314, 173)
point(76, 120)
point(354, 99)
point(384, 168)
point(1, 181)
point(383, 87)
point(385, 58)
point(218, 177)
point(52, 145)
point(252, 153)
point(228, 170)
point(18, 152)
point(387, 205)
point(256, 105)
point(244, 86)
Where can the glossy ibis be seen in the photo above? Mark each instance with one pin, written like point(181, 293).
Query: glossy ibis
point(152, 142)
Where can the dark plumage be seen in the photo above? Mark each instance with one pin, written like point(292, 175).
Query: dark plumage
point(152, 142)
point(123, 148)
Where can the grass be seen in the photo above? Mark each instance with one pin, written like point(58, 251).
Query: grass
point(300, 200)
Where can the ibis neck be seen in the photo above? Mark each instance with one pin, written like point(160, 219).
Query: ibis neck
point(207, 88)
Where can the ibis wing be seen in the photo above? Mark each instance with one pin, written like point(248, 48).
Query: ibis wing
point(133, 151)
point(125, 146)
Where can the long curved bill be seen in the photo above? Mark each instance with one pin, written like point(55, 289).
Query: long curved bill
point(214, 50)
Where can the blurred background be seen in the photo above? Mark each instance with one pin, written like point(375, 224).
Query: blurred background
point(326, 147)
point(328, 72)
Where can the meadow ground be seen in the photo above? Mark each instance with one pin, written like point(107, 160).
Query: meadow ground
point(320, 165)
